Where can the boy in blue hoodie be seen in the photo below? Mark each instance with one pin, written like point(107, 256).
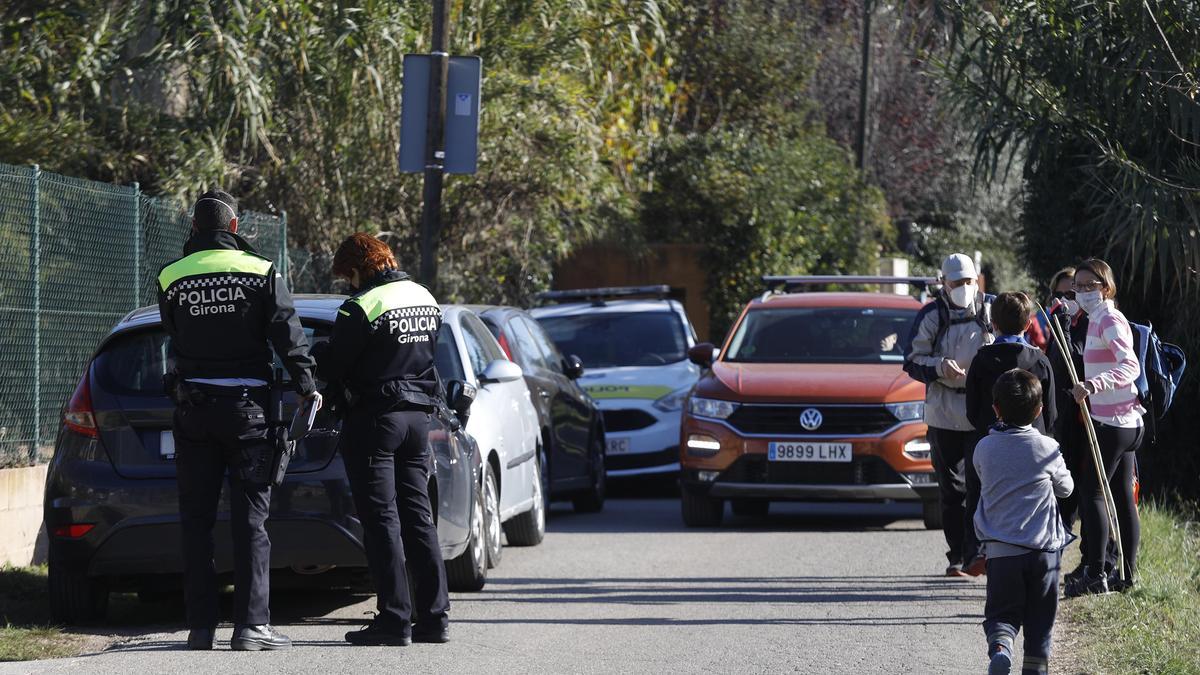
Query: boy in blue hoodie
point(1021, 475)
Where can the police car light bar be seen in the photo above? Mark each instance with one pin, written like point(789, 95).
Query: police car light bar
point(788, 282)
point(659, 291)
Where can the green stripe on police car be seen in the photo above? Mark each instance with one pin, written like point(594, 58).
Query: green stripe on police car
point(599, 391)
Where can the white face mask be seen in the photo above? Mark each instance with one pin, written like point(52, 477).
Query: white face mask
point(961, 297)
point(1089, 301)
point(1071, 306)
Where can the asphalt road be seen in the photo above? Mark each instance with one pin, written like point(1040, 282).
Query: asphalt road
point(812, 589)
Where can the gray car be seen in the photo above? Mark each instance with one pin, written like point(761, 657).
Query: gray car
point(111, 504)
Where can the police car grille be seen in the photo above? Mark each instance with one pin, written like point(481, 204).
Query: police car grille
point(627, 420)
point(863, 470)
point(785, 419)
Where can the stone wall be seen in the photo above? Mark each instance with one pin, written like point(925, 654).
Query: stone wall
point(22, 540)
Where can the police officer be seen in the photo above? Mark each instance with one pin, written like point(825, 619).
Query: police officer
point(381, 357)
point(224, 308)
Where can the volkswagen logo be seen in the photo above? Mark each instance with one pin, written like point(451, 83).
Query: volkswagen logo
point(811, 419)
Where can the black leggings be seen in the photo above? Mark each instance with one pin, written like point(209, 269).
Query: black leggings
point(1117, 446)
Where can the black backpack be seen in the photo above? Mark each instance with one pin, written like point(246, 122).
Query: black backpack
point(982, 316)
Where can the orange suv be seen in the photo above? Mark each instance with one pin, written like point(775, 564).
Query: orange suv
point(807, 400)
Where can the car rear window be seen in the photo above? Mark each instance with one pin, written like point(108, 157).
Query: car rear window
point(821, 335)
point(610, 340)
point(134, 364)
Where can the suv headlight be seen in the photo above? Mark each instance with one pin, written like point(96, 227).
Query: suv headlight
point(912, 411)
point(673, 402)
point(711, 407)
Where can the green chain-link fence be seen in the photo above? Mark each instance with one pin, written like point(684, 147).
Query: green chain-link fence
point(76, 256)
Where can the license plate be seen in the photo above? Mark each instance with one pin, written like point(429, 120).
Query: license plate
point(809, 452)
point(618, 446)
point(166, 445)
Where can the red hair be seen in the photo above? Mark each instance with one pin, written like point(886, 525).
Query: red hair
point(360, 251)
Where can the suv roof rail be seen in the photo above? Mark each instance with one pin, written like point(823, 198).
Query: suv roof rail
point(660, 291)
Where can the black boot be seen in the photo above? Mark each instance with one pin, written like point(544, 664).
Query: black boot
point(258, 638)
point(1072, 576)
point(200, 638)
point(436, 635)
point(1089, 583)
point(377, 633)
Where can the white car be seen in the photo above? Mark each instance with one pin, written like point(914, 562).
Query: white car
point(503, 422)
point(636, 368)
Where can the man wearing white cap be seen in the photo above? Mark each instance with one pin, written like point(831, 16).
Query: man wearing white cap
point(945, 337)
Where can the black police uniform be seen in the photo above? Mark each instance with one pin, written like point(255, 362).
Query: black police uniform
point(224, 307)
point(381, 354)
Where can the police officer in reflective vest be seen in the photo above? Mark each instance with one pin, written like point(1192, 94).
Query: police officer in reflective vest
point(381, 357)
point(224, 308)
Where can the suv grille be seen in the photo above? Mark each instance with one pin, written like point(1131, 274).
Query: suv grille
point(785, 419)
point(627, 420)
point(864, 470)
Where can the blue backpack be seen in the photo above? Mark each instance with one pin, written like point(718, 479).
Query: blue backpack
point(1162, 366)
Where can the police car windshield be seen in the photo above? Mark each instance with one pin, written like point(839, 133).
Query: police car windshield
point(611, 340)
point(821, 335)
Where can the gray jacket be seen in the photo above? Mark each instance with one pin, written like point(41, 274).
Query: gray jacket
point(945, 398)
point(1021, 472)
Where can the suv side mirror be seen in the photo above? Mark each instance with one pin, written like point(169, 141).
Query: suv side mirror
point(500, 370)
point(703, 354)
point(460, 396)
point(572, 367)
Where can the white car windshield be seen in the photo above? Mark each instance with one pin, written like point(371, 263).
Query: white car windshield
point(821, 335)
point(611, 340)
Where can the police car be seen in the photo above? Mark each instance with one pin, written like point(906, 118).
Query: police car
point(633, 342)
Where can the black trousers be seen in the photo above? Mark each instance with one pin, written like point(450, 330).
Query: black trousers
point(950, 452)
point(388, 463)
point(1117, 448)
point(1022, 593)
point(211, 439)
point(1070, 506)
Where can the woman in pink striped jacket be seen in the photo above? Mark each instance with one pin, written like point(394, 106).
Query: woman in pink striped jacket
point(1110, 367)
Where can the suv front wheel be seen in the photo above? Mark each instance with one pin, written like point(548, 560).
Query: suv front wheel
point(701, 510)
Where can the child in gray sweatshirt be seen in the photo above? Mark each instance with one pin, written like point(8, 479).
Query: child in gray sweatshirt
point(1021, 473)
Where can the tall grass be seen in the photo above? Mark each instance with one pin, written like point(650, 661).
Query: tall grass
point(1155, 627)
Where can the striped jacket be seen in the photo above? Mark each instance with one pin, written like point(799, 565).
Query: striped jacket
point(1111, 366)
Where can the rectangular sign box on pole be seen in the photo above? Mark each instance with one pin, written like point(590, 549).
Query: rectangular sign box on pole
point(462, 114)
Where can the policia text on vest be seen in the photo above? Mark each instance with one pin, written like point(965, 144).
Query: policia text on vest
point(224, 308)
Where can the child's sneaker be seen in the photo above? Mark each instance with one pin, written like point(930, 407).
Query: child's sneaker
point(1001, 663)
point(1088, 584)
